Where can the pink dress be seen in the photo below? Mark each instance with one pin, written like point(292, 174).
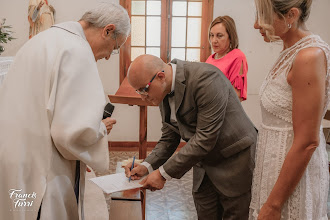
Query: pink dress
point(230, 65)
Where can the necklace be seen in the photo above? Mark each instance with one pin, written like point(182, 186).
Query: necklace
point(217, 56)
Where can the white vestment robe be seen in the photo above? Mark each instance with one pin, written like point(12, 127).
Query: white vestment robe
point(51, 107)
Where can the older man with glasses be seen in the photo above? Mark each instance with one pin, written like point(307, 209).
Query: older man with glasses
point(51, 112)
point(199, 105)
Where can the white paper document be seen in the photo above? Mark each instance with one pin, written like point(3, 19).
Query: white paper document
point(115, 183)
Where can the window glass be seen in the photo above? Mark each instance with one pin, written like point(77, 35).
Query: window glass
point(193, 54)
point(153, 31)
point(138, 7)
point(175, 35)
point(178, 53)
point(153, 51)
point(179, 31)
point(137, 51)
point(194, 32)
point(138, 31)
point(153, 7)
point(194, 8)
point(179, 8)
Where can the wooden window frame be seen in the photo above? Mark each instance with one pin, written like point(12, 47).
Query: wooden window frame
point(165, 38)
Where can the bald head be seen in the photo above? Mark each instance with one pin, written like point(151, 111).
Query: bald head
point(150, 76)
point(143, 68)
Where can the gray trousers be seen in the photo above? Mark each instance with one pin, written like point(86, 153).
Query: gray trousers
point(213, 205)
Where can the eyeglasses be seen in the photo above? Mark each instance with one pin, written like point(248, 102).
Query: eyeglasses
point(115, 50)
point(144, 91)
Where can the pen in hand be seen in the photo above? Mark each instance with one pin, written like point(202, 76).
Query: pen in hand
point(129, 179)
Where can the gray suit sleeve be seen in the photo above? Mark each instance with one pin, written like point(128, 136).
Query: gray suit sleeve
point(165, 147)
point(211, 93)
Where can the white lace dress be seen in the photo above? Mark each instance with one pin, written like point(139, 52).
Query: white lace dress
point(275, 137)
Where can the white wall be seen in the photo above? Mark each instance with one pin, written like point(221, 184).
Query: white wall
point(260, 55)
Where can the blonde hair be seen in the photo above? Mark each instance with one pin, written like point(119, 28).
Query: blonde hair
point(267, 8)
point(230, 26)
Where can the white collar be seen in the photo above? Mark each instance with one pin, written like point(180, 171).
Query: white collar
point(173, 75)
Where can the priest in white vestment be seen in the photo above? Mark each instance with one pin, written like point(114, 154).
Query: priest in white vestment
point(51, 107)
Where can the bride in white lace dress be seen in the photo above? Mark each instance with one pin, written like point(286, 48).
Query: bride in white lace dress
point(291, 177)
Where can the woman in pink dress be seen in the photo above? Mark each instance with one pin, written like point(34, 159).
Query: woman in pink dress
point(227, 57)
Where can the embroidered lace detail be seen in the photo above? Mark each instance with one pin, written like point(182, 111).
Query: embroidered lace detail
point(277, 98)
point(275, 137)
point(277, 101)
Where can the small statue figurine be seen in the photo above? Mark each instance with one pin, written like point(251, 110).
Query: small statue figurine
point(40, 16)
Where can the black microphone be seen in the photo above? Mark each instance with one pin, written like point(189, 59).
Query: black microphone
point(108, 109)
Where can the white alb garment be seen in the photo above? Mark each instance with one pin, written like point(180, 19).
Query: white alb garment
point(51, 107)
point(309, 200)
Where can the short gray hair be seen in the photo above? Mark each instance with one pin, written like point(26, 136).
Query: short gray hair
point(109, 13)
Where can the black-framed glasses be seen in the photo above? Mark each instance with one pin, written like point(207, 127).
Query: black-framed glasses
point(115, 50)
point(144, 91)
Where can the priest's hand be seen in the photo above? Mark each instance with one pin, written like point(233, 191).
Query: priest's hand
point(154, 181)
point(109, 122)
point(137, 172)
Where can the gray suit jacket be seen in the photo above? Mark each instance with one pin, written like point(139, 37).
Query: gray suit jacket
point(220, 137)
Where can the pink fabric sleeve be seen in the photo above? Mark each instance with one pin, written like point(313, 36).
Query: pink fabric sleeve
point(239, 81)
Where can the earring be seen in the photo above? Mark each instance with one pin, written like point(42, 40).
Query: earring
point(289, 26)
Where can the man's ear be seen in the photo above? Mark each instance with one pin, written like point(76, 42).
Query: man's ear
point(161, 75)
point(109, 30)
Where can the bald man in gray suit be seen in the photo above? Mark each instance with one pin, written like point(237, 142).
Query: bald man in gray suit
point(206, 113)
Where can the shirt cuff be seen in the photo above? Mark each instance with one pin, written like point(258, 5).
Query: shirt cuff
point(148, 166)
point(164, 174)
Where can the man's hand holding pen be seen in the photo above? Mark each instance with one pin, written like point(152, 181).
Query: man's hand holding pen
point(137, 172)
point(129, 178)
point(154, 181)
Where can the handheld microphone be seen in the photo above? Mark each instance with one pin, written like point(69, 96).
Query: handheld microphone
point(108, 109)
